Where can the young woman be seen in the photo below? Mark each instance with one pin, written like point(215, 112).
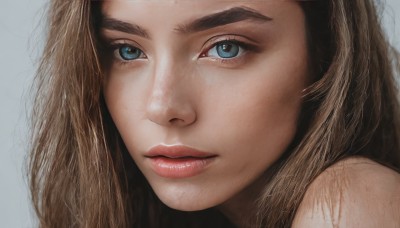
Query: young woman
point(216, 114)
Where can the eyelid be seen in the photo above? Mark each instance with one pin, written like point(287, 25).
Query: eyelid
point(114, 45)
point(109, 41)
point(247, 45)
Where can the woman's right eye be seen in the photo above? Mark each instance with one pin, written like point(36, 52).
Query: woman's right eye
point(127, 52)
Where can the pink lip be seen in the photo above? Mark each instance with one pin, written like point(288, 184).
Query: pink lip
point(178, 161)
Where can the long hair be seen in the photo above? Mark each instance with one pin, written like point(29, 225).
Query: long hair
point(81, 174)
point(352, 109)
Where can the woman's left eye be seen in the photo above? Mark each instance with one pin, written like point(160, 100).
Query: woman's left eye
point(225, 50)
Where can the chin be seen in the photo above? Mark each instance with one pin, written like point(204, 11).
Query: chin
point(185, 206)
point(186, 200)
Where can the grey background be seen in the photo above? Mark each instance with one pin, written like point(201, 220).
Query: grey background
point(20, 42)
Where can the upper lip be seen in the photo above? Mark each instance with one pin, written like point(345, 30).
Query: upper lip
point(177, 151)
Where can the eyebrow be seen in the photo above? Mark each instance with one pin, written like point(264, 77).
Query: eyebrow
point(117, 25)
point(229, 16)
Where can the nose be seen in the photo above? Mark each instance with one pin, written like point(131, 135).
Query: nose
point(170, 102)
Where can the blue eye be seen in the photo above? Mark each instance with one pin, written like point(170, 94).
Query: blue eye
point(129, 53)
point(225, 50)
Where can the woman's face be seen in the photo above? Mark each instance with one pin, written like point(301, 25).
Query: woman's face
point(205, 94)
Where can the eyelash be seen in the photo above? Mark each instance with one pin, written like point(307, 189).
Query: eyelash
point(114, 52)
point(215, 41)
point(115, 48)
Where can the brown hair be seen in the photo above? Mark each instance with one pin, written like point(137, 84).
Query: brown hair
point(82, 176)
point(352, 107)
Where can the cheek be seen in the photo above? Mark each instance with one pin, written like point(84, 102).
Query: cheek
point(257, 126)
point(124, 95)
point(259, 115)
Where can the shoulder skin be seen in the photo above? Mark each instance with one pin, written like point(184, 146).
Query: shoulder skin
point(356, 192)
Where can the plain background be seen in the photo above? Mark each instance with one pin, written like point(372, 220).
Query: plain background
point(20, 42)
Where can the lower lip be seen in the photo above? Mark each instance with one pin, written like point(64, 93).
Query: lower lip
point(179, 167)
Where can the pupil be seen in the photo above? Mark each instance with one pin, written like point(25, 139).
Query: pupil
point(129, 50)
point(227, 47)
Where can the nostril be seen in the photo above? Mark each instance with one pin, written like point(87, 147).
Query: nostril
point(175, 120)
point(180, 122)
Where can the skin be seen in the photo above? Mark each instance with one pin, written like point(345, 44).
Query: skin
point(244, 110)
point(355, 192)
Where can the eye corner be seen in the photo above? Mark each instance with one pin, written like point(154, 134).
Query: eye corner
point(203, 53)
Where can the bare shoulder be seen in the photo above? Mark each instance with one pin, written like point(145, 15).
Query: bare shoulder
point(356, 192)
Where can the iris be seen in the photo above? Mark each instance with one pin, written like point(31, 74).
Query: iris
point(227, 49)
point(129, 53)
